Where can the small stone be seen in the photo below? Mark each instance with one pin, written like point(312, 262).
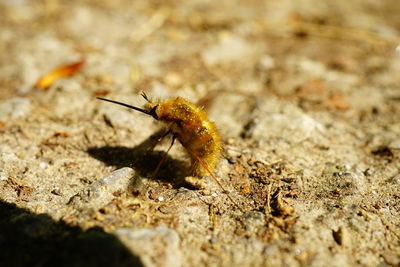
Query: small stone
point(173, 79)
point(42, 165)
point(391, 258)
point(283, 208)
point(369, 172)
point(291, 125)
point(164, 209)
point(3, 177)
point(14, 108)
point(266, 62)
point(102, 192)
point(196, 182)
point(56, 191)
point(231, 48)
point(397, 51)
point(395, 179)
point(342, 237)
point(155, 246)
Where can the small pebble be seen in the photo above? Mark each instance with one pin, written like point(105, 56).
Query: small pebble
point(42, 165)
point(56, 191)
point(342, 237)
point(102, 191)
point(369, 172)
point(3, 177)
point(145, 243)
point(14, 108)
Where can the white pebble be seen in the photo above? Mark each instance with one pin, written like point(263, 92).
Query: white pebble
point(42, 165)
point(3, 177)
point(14, 108)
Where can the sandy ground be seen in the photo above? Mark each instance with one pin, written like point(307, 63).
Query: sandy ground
point(306, 98)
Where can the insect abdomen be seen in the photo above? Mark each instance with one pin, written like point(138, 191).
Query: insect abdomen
point(206, 146)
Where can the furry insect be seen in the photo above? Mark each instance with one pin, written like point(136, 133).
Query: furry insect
point(188, 123)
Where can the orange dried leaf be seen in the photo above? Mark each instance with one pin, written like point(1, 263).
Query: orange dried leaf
point(102, 92)
point(313, 88)
point(63, 134)
point(246, 189)
point(338, 102)
point(61, 72)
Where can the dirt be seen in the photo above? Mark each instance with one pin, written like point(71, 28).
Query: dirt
point(306, 98)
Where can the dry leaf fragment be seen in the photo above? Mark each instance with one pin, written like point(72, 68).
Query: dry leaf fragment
point(63, 134)
point(61, 72)
point(102, 92)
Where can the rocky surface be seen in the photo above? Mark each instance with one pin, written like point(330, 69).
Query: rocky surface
point(305, 95)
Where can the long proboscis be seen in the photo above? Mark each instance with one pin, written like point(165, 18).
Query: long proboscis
point(126, 105)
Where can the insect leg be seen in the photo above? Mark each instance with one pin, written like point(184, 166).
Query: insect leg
point(201, 162)
point(159, 139)
point(165, 155)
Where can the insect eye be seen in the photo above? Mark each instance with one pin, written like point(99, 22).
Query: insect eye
point(154, 113)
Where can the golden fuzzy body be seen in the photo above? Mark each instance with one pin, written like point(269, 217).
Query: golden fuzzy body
point(192, 128)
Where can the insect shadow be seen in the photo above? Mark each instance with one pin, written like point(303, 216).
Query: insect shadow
point(144, 160)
